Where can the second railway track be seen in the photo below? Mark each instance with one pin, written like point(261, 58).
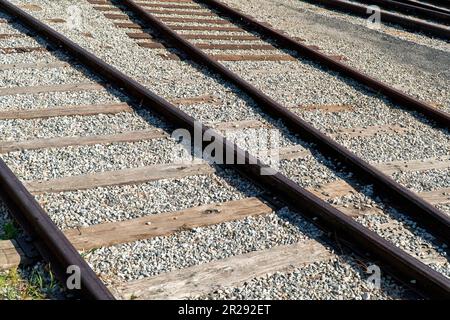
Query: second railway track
point(98, 197)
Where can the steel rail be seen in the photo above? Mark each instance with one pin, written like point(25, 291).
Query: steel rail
point(435, 4)
point(287, 42)
point(422, 211)
point(50, 241)
point(425, 6)
point(404, 266)
point(410, 9)
point(407, 23)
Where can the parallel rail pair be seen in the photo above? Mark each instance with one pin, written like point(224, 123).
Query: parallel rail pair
point(437, 28)
point(58, 249)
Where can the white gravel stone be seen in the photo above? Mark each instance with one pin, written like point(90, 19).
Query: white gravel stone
point(341, 279)
point(422, 181)
point(409, 61)
point(57, 99)
point(179, 79)
point(84, 208)
point(71, 126)
point(72, 161)
point(200, 245)
point(37, 77)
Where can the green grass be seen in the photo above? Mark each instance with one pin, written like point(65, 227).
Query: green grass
point(9, 231)
point(26, 283)
point(38, 283)
point(14, 287)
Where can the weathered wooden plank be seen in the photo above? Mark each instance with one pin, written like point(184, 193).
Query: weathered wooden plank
point(340, 188)
point(284, 153)
point(294, 152)
point(441, 196)
point(56, 20)
point(213, 46)
point(60, 142)
point(161, 3)
point(109, 234)
point(252, 57)
point(127, 25)
point(11, 256)
point(39, 65)
point(219, 46)
point(151, 45)
point(182, 12)
point(51, 88)
point(415, 165)
point(207, 98)
point(204, 278)
point(139, 35)
point(116, 16)
point(30, 7)
point(238, 125)
point(108, 8)
point(369, 131)
point(12, 50)
point(195, 20)
point(143, 35)
point(119, 177)
point(11, 35)
point(174, 1)
point(193, 6)
point(99, 2)
point(205, 28)
point(82, 110)
point(237, 37)
point(326, 107)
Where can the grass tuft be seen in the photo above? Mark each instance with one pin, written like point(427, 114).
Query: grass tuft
point(9, 231)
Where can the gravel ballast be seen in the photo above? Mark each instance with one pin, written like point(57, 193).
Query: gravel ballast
point(197, 246)
point(179, 79)
point(340, 279)
point(118, 203)
point(57, 99)
point(73, 161)
point(71, 126)
point(409, 61)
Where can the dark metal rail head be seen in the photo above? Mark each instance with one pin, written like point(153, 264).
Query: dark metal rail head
point(428, 281)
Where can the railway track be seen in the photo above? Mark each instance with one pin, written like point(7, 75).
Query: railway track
point(431, 5)
point(415, 18)
point(356, 202)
